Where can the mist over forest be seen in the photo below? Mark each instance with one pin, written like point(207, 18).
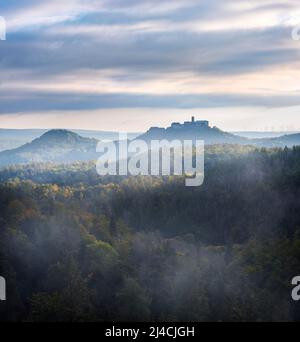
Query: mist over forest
point(75, 246)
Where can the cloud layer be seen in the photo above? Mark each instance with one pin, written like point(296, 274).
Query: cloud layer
point(73, 55)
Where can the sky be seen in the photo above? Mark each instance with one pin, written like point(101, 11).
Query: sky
point(125, 65)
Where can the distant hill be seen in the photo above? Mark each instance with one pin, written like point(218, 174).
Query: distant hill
point(193, 130)
point(54, 146)
point(200, 130)
point(13, 138)
point(289, 140)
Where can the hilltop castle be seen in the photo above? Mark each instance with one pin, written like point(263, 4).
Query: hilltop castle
point(178, 126)
point(189, 124)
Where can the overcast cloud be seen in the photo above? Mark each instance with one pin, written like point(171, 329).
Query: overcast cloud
point(110, 56)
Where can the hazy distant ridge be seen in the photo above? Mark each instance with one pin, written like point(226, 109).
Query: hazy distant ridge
point(64, 146)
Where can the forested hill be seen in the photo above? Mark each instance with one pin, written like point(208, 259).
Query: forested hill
point(215, 136)
point(55, 145)
point(210, 135)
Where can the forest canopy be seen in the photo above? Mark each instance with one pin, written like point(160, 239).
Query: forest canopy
point(75, 246)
